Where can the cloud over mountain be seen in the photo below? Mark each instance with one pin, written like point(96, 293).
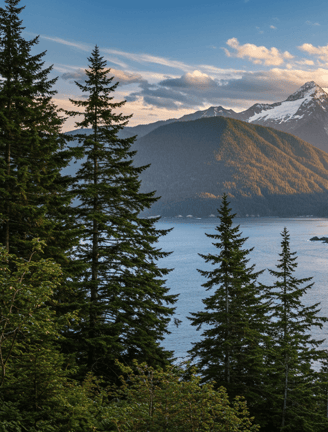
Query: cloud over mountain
point(198, 89)
point(197, 86)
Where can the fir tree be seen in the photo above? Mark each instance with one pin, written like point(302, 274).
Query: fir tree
point(34, 195)
point(125, 312)
point(234, 316)
point(293, 395)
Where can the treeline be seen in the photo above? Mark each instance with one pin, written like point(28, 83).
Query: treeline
point(83, 302)
point(257, 340)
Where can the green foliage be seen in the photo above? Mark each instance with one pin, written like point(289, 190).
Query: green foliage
point(36, 391)
point(231, 350)
point(32, 375)
point(161, 400)
point(113, 282)
point(294, 394)
point(125, 305)
point(26, 293)
point(34, 195)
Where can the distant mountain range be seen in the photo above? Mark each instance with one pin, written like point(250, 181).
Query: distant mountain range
point(304, 114)
point(264, 171)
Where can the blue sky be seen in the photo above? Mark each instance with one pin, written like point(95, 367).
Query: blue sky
point(175, 57)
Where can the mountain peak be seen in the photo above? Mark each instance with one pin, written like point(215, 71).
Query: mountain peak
point(310, 88)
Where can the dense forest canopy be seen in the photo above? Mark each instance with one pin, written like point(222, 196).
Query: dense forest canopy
point(83, 301)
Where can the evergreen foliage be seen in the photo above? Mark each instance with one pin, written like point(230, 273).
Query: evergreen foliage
point(161, 400)
point(32, 375)
point(33, 193)
point(234, 317)
point(108, 300)
point(125, 312)
point(294, 395)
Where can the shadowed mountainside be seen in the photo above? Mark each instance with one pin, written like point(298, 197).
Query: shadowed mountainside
point(264, 171)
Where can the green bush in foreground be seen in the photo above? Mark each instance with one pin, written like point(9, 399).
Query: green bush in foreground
point(161, 400)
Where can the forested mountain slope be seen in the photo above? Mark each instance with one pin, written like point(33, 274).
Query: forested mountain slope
point(264, 171)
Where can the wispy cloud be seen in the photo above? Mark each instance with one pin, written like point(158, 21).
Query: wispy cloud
point(117, 61)
point(147, 58)
point(63, 68)
point(305, 62)
point(78, 45)
point(257, 54)
point(124, 78)
point(310, 23)
point(273, 27)
point(139, 58)
point(221, 73)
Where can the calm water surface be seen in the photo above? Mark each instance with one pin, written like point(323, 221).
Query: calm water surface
point(188, 239)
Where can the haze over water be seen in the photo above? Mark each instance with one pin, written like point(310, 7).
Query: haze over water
point(188, 239)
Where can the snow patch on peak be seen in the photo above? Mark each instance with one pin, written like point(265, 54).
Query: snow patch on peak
point(280, 113)
point(308, 89)
point(295, 106)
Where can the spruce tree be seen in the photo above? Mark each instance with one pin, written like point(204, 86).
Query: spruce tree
point(126, 302)
point(294, 395)
point(34, 198)
point(234, 317)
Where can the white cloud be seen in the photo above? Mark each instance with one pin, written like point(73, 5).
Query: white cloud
point(221, 73)
point(198, 90)
point(321, 51)
point(305, 62)
point(273, 27)
point(196, 79)
point(257, 54)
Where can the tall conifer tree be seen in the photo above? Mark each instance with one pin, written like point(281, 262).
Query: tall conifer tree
point(293, 396)
point(34, 195)
point(234, 316)
point(126, 316)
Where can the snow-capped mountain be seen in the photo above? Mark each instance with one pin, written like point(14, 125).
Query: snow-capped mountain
point(299, 106)
point(218, 111)
point(304, 114)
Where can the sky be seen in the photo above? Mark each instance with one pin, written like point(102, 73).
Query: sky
point(172, 58)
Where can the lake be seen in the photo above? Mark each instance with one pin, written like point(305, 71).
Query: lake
point(188, 239)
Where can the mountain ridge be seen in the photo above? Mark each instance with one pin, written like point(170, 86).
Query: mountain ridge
point(304, 114)
point(263, 170)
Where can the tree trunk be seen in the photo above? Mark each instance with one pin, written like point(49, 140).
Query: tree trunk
point(285, 394)
point(7, 228)
point(94, 268)
point(228, 335)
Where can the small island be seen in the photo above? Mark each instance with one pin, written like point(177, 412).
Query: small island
point(323, 239)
